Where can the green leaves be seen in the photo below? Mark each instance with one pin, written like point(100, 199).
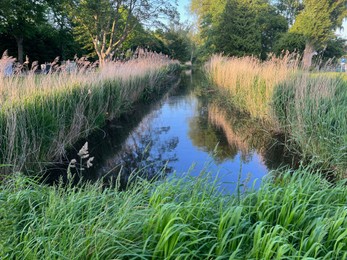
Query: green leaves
point(318, 20)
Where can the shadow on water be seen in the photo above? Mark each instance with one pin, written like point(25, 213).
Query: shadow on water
point(181, 129)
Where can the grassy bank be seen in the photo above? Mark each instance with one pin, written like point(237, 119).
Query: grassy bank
point(41, 115)
point(310, 108)
point(292, 216)
point(249, 82)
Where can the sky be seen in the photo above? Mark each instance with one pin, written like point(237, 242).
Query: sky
point(343, 33)
point(183, 9)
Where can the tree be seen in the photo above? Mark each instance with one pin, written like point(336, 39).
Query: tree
point(19, 18)
point(242, 27)
point(105, 24)
point(177, 40)
point(289, 9)
point(238, 32)
point(316, 23)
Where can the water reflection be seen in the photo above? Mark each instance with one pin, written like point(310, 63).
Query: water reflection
point(181, 130)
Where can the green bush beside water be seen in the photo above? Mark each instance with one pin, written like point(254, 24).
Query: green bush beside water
point(292, 216)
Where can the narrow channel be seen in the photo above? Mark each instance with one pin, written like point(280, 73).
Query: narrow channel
point(183, 133)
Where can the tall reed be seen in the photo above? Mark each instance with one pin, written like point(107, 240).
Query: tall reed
point(41, 115)
point(309, 107)
point(292, 216)
point(312, 109)
point(249, 81)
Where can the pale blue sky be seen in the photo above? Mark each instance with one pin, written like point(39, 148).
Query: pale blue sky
point(183, 7)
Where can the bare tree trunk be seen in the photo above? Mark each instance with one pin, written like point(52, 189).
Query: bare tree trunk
point(309, 52)
point(19, 40)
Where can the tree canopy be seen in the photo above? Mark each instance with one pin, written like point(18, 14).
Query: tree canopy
point(236, 27)
point(317, 23)
point(20, 18)
point(106, 24)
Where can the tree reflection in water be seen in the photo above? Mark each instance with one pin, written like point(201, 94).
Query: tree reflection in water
point(145, 154)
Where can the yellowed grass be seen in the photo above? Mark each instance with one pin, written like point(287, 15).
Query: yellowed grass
point(251, 82)
point(19, 87)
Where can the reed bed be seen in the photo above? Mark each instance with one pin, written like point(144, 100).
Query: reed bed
point(312, 109)
point(41, 115)
point(251, 82)
point(292, 216)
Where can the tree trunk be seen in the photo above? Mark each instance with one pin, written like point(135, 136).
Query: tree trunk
point(19, 40)
point(309, 52)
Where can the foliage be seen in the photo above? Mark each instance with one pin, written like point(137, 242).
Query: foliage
point(336, 48)
point(292, 215)
point(237, 28)
point(177, 40)
point(292, 42)
point(104, 25)
point(237, 33)
point(316, 23)
point(289, 9)
point(19, 19)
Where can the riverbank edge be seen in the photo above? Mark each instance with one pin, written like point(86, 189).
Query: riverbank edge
point(44, 134)
point(294, 215)
point(303, 107)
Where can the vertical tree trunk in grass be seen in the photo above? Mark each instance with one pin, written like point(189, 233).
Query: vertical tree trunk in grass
point(309, 52)
point(19, 40)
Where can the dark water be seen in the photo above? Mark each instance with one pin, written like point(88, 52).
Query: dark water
point(183, 133)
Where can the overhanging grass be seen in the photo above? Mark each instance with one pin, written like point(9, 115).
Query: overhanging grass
point(294, 215)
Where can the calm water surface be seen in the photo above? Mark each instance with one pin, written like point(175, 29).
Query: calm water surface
point(184, 133)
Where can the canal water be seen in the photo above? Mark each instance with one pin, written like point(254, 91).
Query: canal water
point(184, 132)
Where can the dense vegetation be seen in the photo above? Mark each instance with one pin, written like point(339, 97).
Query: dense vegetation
point(238, 28)
point(42, 115)
point(291, 216)
point(45, 29)
point(309, 108)
point(295, 214)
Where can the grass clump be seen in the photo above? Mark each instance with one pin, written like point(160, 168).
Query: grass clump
point(294, 215)
point(41, 115)
point(312, 109)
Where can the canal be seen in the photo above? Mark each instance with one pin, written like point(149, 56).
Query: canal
point(186, 131)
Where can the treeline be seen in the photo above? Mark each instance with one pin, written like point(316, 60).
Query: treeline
point(260, 27)
point(104, 29)
point(45, 29)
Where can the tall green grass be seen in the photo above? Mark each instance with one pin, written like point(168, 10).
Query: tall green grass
point(313, 109)
point(292, 216)
point(41, 115)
